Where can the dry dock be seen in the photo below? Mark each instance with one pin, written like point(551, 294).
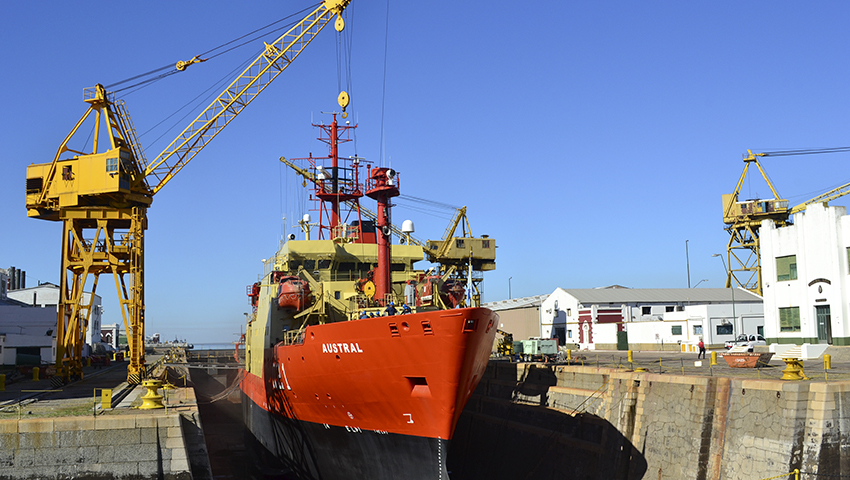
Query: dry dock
point(596, 418)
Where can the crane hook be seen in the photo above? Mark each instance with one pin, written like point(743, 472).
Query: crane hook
point(343, 102)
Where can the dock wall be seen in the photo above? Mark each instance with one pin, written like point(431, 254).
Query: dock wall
point(125, 446)
point(666, 426)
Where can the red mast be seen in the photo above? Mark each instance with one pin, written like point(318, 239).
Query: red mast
point(337, 184)
point(383, 185)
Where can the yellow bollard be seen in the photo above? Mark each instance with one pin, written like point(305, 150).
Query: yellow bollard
point(827, 362)
point(713, 359)
point(35, 374)
point(2, 382)
point(106, 398)
point(569, 354)
point(152, 399)
point(631, 357)
point(88, 361)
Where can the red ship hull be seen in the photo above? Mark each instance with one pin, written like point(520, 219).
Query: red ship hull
point(370, 398)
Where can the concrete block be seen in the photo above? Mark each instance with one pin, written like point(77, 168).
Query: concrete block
point(174, 442)
point(179, 465)
point(148, 435)
point(179, 453)
point(36, 425)
point(115, 423)
point(124, 437)
point(25, 457)
point(148, 469)
point(136, 453)
point(9, 442)
point(171, 420)
point(146, 421)
point(68, 424)
point(175, 432)
point(106, 454)
point(36, 440)
point(8, 426)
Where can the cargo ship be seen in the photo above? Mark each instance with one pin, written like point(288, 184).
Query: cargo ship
point(357, 362)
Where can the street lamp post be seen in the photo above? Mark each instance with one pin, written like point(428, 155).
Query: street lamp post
point(509, 288)
point(688, 263)
point(739, 328)
point(703, 280)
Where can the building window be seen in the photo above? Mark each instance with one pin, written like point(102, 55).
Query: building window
point(569, 312)
point(676, 329)
point(724, 329)
point(786, 268)
point(111, 164)
point(697, 329)
point(668, 308)
point(485, 243)
point(789, 319)
point(645, 310)
point(569, 334)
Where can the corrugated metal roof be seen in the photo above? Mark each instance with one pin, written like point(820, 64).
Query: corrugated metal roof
point(512, 303)
point(589, 296)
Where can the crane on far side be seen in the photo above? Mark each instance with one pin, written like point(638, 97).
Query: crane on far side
point(743, 219)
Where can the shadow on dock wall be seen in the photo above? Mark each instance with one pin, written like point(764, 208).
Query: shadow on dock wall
point(499, 438)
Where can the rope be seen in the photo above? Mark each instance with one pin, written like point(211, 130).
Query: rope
point(227, 391)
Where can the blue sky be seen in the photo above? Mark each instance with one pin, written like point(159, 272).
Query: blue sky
point(590, 139)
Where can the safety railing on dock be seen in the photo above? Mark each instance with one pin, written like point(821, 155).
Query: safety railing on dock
point(713, 365)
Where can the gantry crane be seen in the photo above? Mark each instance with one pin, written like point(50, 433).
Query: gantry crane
point(102, 197)
point(743, 219)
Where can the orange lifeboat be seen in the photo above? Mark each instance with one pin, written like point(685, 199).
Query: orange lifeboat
point(294, 293)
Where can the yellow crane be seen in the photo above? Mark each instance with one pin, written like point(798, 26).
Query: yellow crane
point(101, 197)
point(743, 219)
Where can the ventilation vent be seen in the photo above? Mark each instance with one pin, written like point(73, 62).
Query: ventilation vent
point(426, 326)
point(394, 330)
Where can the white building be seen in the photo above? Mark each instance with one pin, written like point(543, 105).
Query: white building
point(46, 296)
point(805, 277)
point(649, 319)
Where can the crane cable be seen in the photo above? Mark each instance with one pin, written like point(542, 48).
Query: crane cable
point(810, 151)
point(204, 55)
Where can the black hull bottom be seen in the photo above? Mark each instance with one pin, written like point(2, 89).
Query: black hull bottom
point(320, 452)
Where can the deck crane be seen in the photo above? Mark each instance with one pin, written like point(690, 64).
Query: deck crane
point(102, 197)
point(743, 219)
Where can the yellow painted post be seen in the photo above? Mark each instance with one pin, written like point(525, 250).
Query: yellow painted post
point(106, 398)
point(35, 374)
point(713, 359)
point(2, 382)
point(827, 362)
point(88, 361)
point(631, 357)
point(569, 354)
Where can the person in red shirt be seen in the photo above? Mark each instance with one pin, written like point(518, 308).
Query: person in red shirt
point(701, 346)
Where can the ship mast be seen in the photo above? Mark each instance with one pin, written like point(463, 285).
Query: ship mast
point(336, 185)
point(383, 185)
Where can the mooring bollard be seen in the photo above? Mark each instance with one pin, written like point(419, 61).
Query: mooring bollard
point(827, 362)
point(2, 382)
point(713, 359)
point(35, 374)
point(631, 357)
